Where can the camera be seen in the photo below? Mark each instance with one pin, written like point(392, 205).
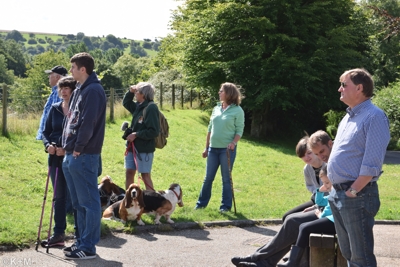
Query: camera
point(126, 129)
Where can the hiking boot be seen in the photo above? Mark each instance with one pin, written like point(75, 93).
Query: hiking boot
point(70, 249)
point(54, 241)
point(79, 255)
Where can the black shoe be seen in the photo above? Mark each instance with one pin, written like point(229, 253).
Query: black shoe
point(70, 249)
point(79, 255)
point(244, 264)
point(237, 260)
point(55, 240)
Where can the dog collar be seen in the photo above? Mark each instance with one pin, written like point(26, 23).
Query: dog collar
point(176, 196)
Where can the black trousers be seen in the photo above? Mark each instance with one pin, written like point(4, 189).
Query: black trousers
point(320, 226)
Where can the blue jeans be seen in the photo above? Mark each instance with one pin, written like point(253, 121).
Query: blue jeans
point(217, 157)
point(81, 176)
point(354, 220)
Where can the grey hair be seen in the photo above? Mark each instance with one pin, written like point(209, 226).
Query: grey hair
point(146, 89)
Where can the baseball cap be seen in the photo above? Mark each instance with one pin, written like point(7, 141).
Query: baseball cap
point(57, 69)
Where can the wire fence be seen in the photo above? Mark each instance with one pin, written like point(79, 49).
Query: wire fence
point(174, 97)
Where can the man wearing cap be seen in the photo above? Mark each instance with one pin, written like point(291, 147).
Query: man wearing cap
point(54, 75)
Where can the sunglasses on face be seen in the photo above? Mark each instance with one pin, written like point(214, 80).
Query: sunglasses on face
point(342, 84)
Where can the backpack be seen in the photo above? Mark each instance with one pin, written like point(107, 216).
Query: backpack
point(161, 139)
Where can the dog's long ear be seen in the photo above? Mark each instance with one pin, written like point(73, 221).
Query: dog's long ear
point(128, 198)
point(140, 198)
point(115, 189)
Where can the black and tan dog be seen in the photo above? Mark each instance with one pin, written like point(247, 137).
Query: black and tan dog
point(109, 192)
point(137, 202)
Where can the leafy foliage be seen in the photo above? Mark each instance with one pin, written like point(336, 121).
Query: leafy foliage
point(388, 100)
point(30, 94)
point(285, 54)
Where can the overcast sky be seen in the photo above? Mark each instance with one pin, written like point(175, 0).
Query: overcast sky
point(133, 19)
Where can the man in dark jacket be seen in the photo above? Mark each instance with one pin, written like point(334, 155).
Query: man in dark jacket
point(145, 127)
point(82, 140)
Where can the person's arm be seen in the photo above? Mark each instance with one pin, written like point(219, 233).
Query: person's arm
point(205, 152)
point(48, 129)
point(239, 128)
point(378, 136)
point(128, 102)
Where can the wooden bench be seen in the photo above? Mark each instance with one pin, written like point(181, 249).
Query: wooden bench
point(325, 251)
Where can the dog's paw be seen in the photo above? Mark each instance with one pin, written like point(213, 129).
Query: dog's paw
point(140, 222)
point(170, 221)
point(157, 222)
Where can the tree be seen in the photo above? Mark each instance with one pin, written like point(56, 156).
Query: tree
point(137, 49)
point(286, 54)
point(29, 94)
point(79, 36)
point(76, 48)
point(129, 69)
point(14, 56)
point(15, 35)
point(385, 40)
point(115, 41)
point(6, 76)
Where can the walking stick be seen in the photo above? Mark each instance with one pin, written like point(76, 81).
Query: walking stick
point(44, 202)
point(52, 206)
point(230, 178)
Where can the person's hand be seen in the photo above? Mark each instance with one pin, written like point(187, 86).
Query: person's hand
point(60, 151)
point(348, 194)
point(323, 189)
point(51, 149)
point(76, 154)
point(131, 137)
point(132, 89)
point(318, 213)
point(205, 153)
point(231, 146)
point(309, 208)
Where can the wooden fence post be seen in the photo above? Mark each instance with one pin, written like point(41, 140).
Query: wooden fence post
point(161, 93)
point(112, 100)
point(173, 96)
point(4, 126)
point(182, 96)
point(191, 97)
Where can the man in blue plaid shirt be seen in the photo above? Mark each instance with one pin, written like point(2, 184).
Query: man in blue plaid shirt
point(55, 74)
point(354, 167)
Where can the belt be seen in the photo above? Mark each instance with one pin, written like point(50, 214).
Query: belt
point(347, 185)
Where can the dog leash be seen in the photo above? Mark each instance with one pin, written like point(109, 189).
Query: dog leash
point(136, 164)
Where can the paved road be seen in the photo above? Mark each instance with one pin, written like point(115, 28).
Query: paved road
point(212, 246)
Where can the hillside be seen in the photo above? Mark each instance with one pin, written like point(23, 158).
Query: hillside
point(39, 42)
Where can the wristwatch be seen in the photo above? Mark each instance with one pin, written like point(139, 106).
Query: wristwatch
point(353, 191)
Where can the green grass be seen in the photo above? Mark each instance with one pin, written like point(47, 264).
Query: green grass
point(267, 177)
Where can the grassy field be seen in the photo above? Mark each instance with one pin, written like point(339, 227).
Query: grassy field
point(267, 177)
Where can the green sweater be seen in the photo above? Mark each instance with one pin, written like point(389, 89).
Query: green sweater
point(225, 125)
point(146, 128)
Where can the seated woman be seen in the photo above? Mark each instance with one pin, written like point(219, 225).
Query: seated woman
point(324, 225)
point(311, 173)
point(295, 229)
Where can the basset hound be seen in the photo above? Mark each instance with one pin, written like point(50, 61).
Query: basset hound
point(138, 202)
point(129, 208)
point(109, 192)
point(162, 203)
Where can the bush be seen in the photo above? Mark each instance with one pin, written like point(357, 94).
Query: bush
point(32, 41)
point(388, 99)
point(41, 41)
point(332, 119)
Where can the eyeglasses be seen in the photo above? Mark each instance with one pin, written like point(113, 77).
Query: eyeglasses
point(342, 84)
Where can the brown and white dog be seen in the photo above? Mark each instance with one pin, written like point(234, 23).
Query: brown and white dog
point(109, 192)
point(137, 202)
point(129, 208)
point(162, 203)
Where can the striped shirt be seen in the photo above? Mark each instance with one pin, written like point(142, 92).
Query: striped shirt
point(360, 144)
